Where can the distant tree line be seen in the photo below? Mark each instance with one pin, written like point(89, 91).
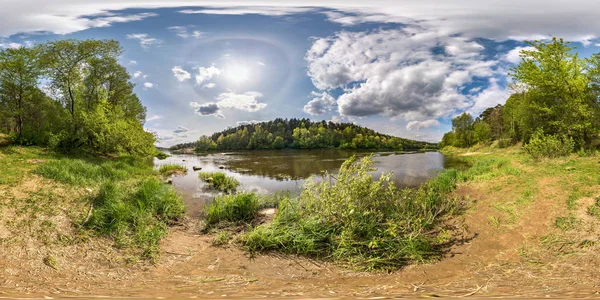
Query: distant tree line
point(71, 94)
point(301, 134)
point(554, 108)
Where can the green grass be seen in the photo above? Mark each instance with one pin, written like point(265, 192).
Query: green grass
point(219, 181)
point(136, 217)
point(170, 169)
point(353, 219)
point(93, 172)
point(237, 208)
point(161, 155)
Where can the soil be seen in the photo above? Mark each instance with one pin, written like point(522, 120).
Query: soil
point(492, 261)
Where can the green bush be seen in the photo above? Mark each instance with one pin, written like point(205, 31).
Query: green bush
point(138, 217)
point(161, 155)
point(170, 169)
point(242, 207)
point(549, 146)
point(352, 218)
point(220, 181)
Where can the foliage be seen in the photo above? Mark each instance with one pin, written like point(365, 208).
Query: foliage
point(549, 146)
point(352, 218)
point(220, 181)
point(136, 217)
point(161, 155)
point(241, 207)
point(170, 169)
point(302, 134)
point(72, 95)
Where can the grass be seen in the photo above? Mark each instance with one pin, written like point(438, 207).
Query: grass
point(170, 169)
point(161, 155)
point(353, 219)
point(136, 217)
point(237, 208)
point(129, 203)
point(219, 181)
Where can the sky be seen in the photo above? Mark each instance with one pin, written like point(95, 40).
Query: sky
point(400, 67)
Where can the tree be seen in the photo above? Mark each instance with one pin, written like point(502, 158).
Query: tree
point(482, 132)
point(462, 126)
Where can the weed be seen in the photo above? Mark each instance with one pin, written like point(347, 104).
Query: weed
point(242, 207)
point(220, 181)
point(170, 169)
point(221, 239)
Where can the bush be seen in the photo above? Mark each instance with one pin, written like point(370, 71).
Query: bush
point(136, 218)
point(161, 155)
point(549, 146)
point(242, 207)
point(220, 181)
point(170, 169)
point(352, 218)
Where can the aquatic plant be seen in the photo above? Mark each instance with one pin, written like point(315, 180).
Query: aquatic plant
point(219, 181)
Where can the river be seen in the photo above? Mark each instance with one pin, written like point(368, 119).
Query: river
point(268, 171)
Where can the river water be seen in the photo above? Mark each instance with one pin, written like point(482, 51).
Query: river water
point(269, 171)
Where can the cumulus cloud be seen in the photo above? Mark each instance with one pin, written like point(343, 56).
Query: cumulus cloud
point(417, 125)
point(274, 10)
point(11, 45)
point(396, 73)
point(240, 123)
point(144, 39)
point(137, 74)
point(180, 73)
point(209, 85)
point(148, 85)
point(491, 96)
point(133, 62)
point(322, 103)
point(247, 101)
point(514, 55)
point(205, 74)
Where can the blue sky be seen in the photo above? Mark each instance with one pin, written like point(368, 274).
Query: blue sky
point(400, 67)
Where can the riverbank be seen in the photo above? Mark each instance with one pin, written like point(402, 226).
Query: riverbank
point(530, 229)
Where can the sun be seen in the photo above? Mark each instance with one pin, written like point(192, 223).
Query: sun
point(237, 73)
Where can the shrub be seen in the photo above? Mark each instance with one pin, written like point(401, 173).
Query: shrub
point(170, 169)
point(352, 218)
point(242, 207)
point(220, 181)
point(549, 146)
point(138, 217)
point(161, 155)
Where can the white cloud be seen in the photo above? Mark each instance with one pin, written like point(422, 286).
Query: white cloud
point(153, 118)
point(417, 125)
point(11, 45)
point(240, 123)
point(247, 101)
point(181, 129)
point(209, 85)
point(205, 74)
point(514, 55)
point(144, 39)
point(491, 96)
point(322, 103)
point(493, 19)
point(396, 72)
point(148, 85)
point(137, 74)
point(197, 34)
point(180, 73)
point(133, 62)
point(260, 63)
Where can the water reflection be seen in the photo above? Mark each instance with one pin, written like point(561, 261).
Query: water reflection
point(269, 171)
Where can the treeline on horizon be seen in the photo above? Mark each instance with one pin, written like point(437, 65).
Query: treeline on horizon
point(554, 109)
point(72, 95)
point(301, 134)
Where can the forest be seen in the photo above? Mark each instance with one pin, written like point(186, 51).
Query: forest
point(301, 134)
point(554, 108)
point(72, 95)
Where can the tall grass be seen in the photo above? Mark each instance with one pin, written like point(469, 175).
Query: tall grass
point(91, 172)
point(136, 217)
point(219, 181)
point(352, 218)
point(170, 169)
point(242, 207)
